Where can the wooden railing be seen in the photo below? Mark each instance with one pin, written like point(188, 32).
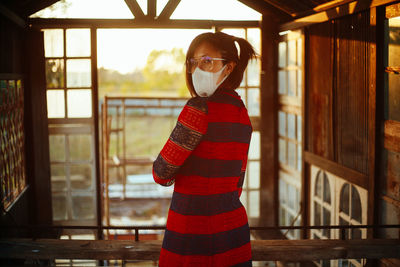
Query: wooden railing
point(262, 250)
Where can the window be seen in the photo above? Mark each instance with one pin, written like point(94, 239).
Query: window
point(249, 90)
point(12, 144)
point(71, 135)
point(290, 84)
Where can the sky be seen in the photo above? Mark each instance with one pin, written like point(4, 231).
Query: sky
point(125, 50)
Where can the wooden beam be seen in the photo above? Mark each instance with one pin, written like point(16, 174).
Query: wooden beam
point(135, 9)
point(288, 7)
point(134, 23)
point(333, 13)
point(151, 8)
point(168, 9)
point(348, 174)
point(262, 250)
point(12, 16)
point(267, 10)
point(35, 6)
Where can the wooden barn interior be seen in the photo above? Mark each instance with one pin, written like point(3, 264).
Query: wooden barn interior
point(323, 185)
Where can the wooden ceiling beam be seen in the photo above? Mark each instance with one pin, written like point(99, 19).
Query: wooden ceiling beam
point(292, 10)
point(169, 9)
point(135, 9)
point(34, 6)
point(151, 8)
point(267, 10)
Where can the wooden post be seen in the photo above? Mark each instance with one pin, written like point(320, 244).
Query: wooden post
point(269, 124)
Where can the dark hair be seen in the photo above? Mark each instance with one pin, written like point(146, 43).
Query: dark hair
point(225, 44)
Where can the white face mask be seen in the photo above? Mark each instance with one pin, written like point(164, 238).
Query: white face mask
point(205, 83)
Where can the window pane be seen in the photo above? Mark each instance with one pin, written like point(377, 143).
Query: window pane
point(292, 196)
point(57, 147)
point(78, 42)
point(79, 147)
point(394, 97)
point(254, 205)
point(299, 82)
point(282, 150)
point(299, 159)
point(299, 52)
point(326, 221)
point(317, 214)
point(254, 37)
point(253, 99)
point(79, 103)
point(318, 185)
point(394, 42)
point(282, 54)
point(58, 178)
point(282, 123)
point(254, 175)
point(327, 190)
point(291, 126)
point(292, 155)
point(78, 73)
point(83, 208)
point(243, 199)
point(292, 56)
point(298, 127)
point(55, 104)
point(282, 191)
point(355, 205)
point(53, 43)
point(254, 150)
point(282, 82)
point(253, 73)
point(292, 85)
point(55, 73)
point(344, 199)
point(242, 93)
point(59, 203)
point(81, 176)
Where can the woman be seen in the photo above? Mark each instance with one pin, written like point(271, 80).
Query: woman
point(206, 157)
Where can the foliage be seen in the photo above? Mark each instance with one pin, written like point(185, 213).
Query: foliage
point(161, 76)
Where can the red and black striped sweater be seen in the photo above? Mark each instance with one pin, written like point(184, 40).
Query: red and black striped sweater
point(206, 156)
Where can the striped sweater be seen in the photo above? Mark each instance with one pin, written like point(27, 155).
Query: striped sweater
point(206, 156)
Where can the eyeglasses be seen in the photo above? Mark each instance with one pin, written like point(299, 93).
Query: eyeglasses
point(205, 63)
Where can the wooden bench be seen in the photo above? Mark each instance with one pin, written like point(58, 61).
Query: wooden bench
point(263, 250)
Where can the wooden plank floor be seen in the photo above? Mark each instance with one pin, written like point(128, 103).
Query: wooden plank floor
point(263, 250)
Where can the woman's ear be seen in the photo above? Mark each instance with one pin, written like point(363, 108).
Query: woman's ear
point(229, 67)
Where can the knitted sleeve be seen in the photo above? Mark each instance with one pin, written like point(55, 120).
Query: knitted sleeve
point(189, 130)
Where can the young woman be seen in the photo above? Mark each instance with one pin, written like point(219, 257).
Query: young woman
point(206, 156)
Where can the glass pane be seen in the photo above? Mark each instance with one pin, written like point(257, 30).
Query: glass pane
point(254, 37)
point(292, 56)
point(59, 204)
point(282, 82)
point(292, 196)
point(299, 128)
point(79, 103)
point(253, 73)
point(394, 97)
point(317, 214)
point(83, 208)
point(243, 199)
point(254, 150)
point(292, 85)
point(291, 126)
point(292, 161)
point(299, 83)
point(57, 147)
point(282, 191)
point(254, 205)
point(78, 73)
point(282, 150)
point(79, 147)
point(55, 73)
point(242, 93)
point(55, 104)
point(326, 221)
point(299, 158)
point(282, 123)
point(58, 178)
point(344, 199)
point(299, 52)
point(318, 185)
point(53, 43)
point(327, 190)
point(282, 216)
point(78, 42)
point(254, 175)
point(355, 205)
point(282, 54)
point(253, 99)
point(394, 42)
point(81, 176)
